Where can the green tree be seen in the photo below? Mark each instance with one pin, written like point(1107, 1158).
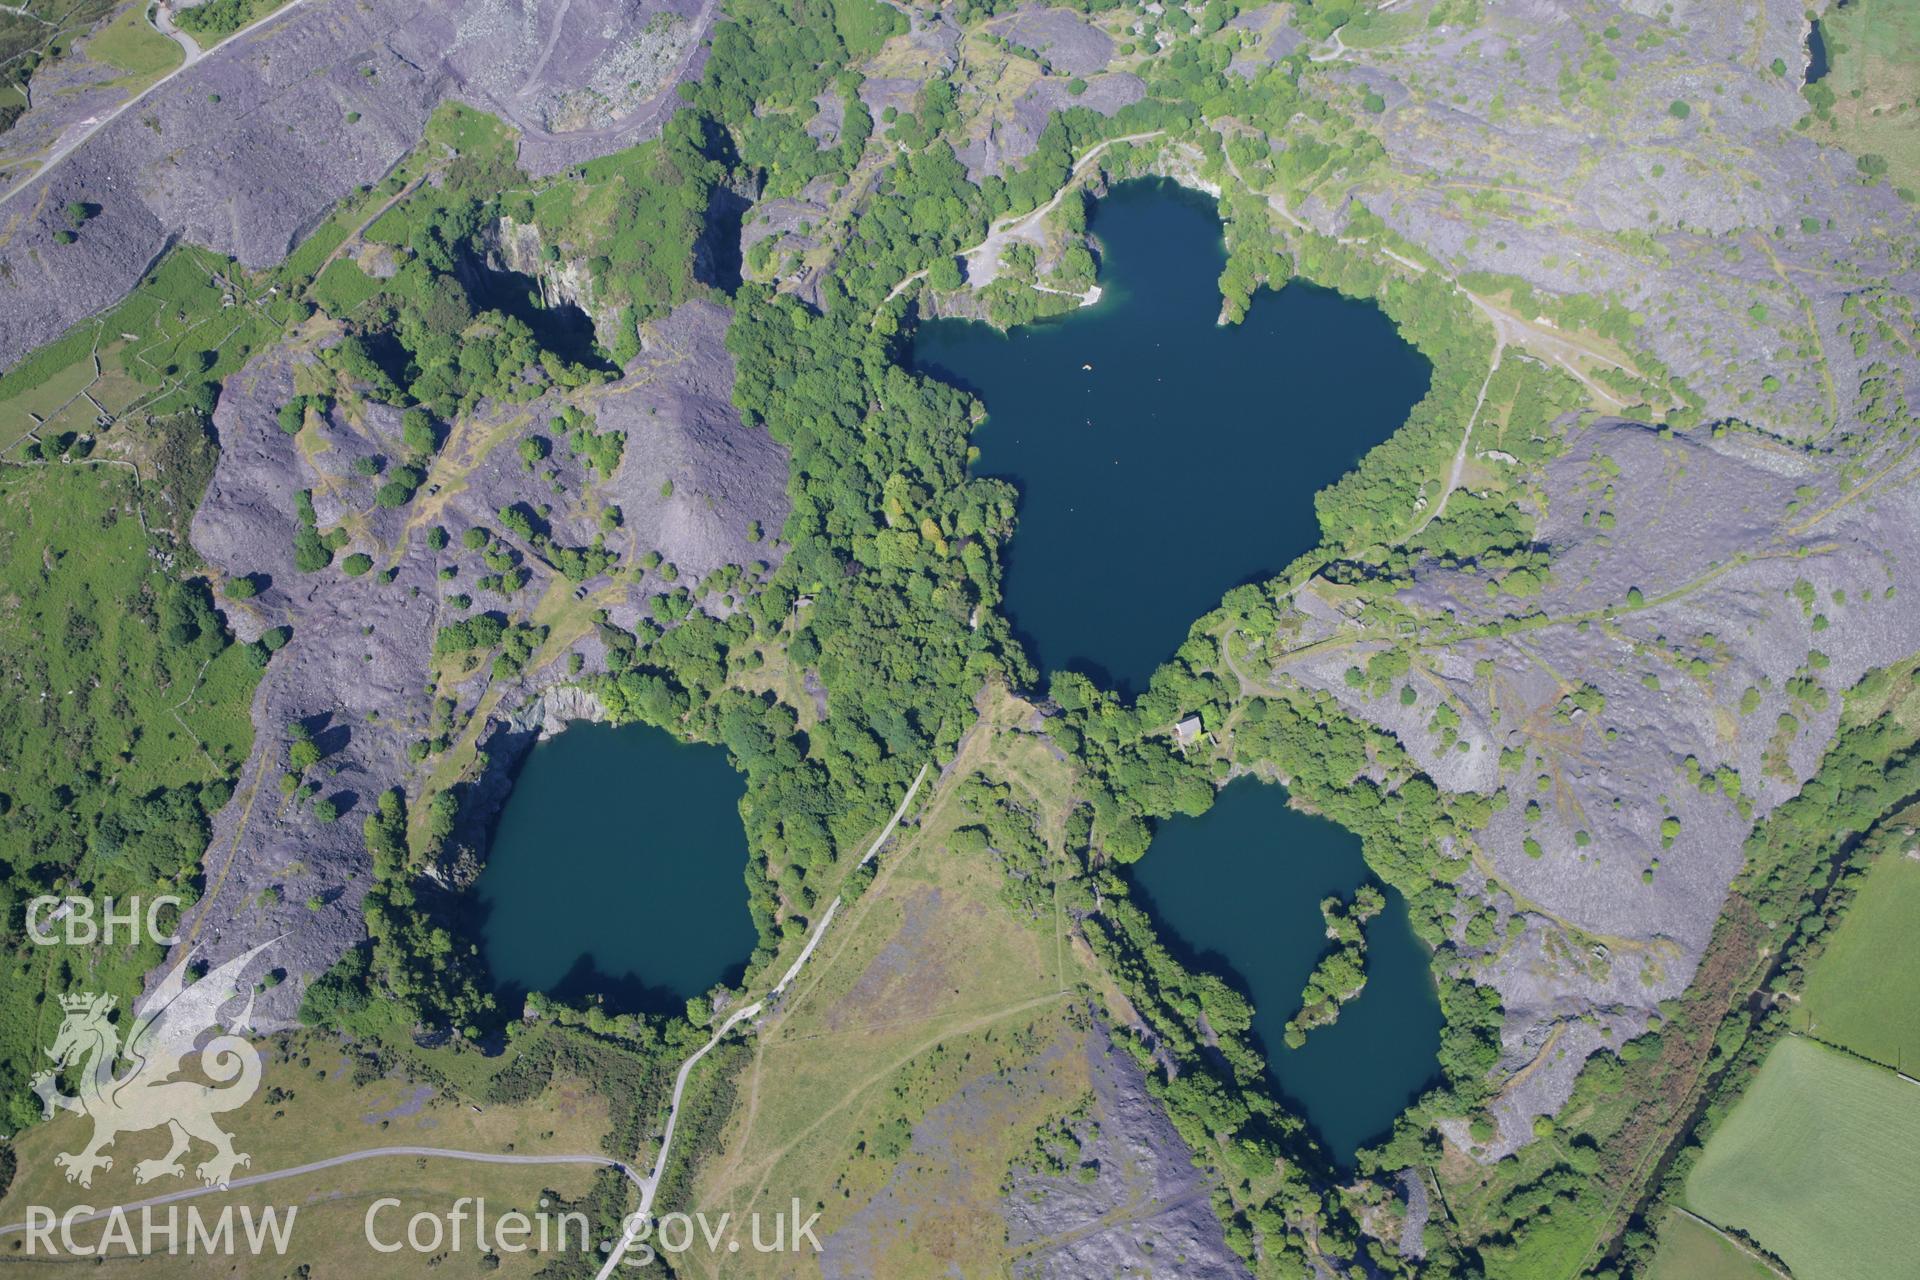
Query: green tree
point(418, 433)
point(944, 275)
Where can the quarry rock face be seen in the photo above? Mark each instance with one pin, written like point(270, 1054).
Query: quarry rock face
point(246, 150)
point(357, 670)
point(1771, 552)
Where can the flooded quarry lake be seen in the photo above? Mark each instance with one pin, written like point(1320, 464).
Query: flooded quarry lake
point(615, 870)
point(1161, 457)
point(1238, 891)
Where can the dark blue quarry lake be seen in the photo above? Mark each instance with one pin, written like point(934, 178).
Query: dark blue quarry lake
point(1239, 890)
point(1185, 460)
point(615, 870)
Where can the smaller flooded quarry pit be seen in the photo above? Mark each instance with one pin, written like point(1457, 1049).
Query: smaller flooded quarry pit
point(1238, 891)
point(616, 871)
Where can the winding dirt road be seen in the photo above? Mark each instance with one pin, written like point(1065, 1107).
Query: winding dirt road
point(637, 1220)
point(1015, 225)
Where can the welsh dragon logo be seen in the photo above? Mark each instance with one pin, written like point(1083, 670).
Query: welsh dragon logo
point(166, 1028)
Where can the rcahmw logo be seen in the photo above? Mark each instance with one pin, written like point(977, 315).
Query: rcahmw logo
point(151, 1229)
point(153, 1091)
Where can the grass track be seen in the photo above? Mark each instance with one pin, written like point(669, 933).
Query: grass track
point(130, 43)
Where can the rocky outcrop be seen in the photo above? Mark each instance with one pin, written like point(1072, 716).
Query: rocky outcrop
point(1146, 1211)
point(1148, 1203)
point(358, 669)
point(1009, 138)
point(518, 247)
point(247, 149)
point(1678, 185)
point(1070, 44)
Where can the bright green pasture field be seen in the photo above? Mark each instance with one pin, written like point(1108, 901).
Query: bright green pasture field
point(1875, 51)
point(1820, 1163)
point(343, 286)
point(1689, 1251)
point(1860, 992)
point(132, 44)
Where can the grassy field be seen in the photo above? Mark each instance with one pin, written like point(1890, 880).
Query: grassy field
point(1817, 1164)
point(119, 724)
point(148, 354)
point(317, 1101)
point(1874, 50)
point(329, 1232)
point(313, 1103)
point(1689, 1251)
point(1859, 994)
point(132, 44)
point(343, 286)
point(926, 986)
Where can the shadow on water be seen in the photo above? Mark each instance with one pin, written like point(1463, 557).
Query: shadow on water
point(1163, 458)
point(585, 983)
point(1237, 892)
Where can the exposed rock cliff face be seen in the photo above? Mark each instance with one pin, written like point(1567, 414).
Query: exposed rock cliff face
point(519, 247)
point(246, 150)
